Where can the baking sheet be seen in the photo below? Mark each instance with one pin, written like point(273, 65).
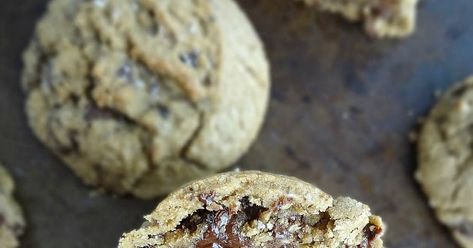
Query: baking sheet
point(341, 109)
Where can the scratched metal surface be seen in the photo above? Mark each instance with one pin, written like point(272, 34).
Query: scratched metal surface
point(341, 108)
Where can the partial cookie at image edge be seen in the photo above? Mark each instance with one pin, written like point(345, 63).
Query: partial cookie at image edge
point(445, 168)
point(380, 19)
point(12, 222)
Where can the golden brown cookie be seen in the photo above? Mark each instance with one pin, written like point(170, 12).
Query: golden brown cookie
point(381, 18)
point(445, 156)
point(255, 209)
point(12, 223)
point(142, 96)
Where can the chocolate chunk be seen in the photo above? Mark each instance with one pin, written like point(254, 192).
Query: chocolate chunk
point(163, 111)
point(370, 233)
point(139, 76)
point(458, 92)
point(125, 72)
point(323, 222)
point(47, 74)
point(283, 200)
point(154, 29)
point(74, 140)
point(152, 25)
point(280, 232)
point(207, 198)
point(251, 211)
point(384, 9)
point(223, 228)
point(466, 228)
point(74, 98)
point(207, 82)
point(191, 59)
point(191, 222)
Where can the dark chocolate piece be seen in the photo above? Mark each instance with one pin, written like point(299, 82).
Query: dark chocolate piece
point(466, 228)
point(223, 227)
point(458, 92)
point(191, 59)
point(370, 232)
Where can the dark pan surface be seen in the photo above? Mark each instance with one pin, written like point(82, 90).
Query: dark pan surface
point(342, 107)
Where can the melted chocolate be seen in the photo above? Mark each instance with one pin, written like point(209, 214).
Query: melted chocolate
point(370, 233)
point(322, 224)
point(223, 230)
point(223, 227)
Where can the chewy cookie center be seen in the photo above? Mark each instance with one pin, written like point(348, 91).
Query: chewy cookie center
point(223, 228)
point(251, 225)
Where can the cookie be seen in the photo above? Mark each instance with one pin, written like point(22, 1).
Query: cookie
point(12, 223)
point(380, 18)
point(255, 209)
point(445, 156)
point(142, 96)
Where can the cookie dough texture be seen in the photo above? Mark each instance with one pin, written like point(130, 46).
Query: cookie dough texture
point(142, 96)
point(12, 222)
point(255, 209)
point(381, 18)
point(445, 156)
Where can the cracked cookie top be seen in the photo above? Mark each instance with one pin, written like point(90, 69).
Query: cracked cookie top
point(141, 96)
point(255, 209)
point(445, 156)
point(12, 223)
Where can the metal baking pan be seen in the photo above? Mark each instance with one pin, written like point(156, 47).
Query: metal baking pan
point(341, 109)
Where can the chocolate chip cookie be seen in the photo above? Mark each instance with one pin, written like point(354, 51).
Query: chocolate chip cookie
point(381, 18)
point(142, 96)
point(445, 156)
point(12, 223)
point(255, 209)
